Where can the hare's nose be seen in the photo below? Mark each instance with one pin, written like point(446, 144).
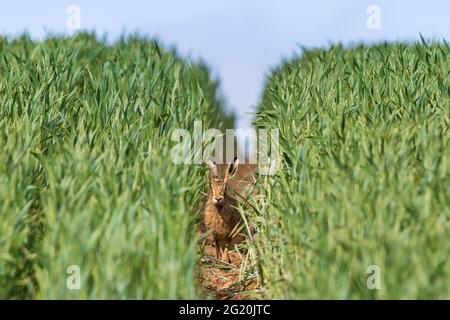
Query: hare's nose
point(218, 198)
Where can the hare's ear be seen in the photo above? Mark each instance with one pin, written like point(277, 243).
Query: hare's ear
point(213, 168)
point(231, 169)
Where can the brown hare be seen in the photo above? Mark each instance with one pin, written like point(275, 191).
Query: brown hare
point(221, 216)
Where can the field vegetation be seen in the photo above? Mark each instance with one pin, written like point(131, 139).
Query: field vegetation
point(365, 174)
point(87, 180)
point(86, 176)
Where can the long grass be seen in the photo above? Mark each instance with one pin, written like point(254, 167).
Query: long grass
point(365, 176)
point(86, 177)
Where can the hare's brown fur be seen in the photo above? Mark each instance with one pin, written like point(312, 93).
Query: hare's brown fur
point(221, 216)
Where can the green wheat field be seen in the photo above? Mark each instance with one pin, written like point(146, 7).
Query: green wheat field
point(86, 176)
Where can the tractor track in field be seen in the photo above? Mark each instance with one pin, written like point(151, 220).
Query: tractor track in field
point(220, 280)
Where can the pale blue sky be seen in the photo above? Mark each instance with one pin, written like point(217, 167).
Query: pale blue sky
point(240, 40)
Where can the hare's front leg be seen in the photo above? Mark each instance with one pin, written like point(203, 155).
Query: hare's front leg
point(225, 255)
point(218, 250)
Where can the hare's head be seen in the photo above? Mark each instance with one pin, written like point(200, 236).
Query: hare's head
point(219, 185)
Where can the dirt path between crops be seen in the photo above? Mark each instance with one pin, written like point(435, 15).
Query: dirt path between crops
point(224, 281)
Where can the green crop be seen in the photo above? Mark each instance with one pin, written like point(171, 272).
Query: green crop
point(365, 174)
point(86, 177)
